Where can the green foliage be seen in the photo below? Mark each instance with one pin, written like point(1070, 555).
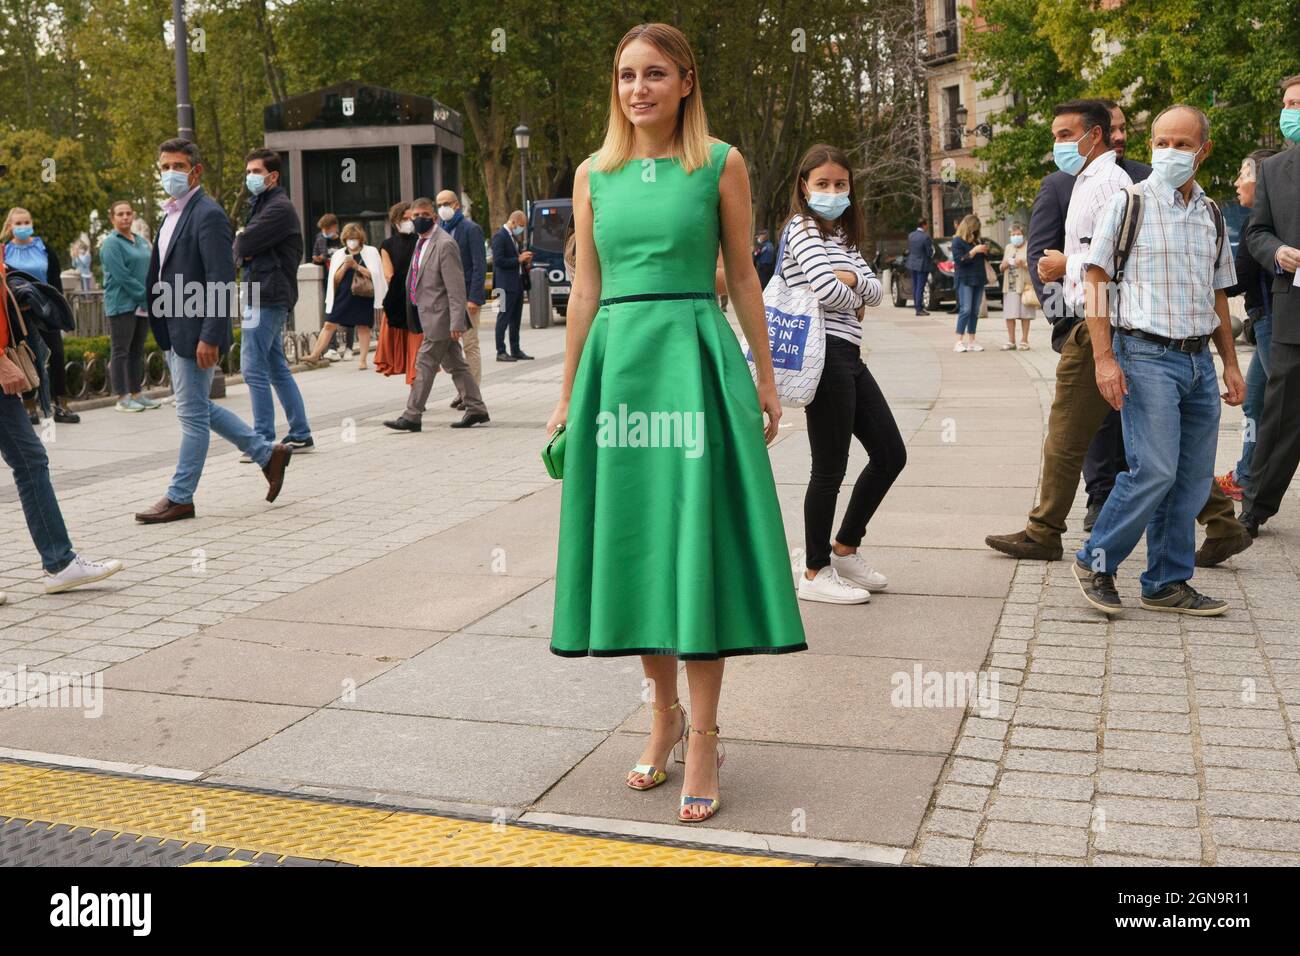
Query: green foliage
point(54, 180)
point(1225, 58)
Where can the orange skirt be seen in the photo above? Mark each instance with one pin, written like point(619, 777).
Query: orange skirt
point(396, 351)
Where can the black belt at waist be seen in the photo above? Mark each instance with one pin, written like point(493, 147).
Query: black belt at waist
point(1194, 343)
point(658, 296)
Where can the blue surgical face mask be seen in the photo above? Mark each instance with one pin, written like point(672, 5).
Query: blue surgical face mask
point(1173, 166)
point(256, 183)
point(175, 184)
point(23, 232)
point(517, 230)
point(1289, 122)
point(1068, 158)
point(1017, 240)
point(828, 205)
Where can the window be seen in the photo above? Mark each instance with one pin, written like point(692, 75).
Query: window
point(952, 132)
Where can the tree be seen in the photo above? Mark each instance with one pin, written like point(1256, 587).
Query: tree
point(54, 180)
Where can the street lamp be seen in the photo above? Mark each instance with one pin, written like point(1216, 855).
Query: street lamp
point(959, 117)
point(522, 135)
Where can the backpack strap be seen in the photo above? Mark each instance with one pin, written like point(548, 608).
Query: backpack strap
point(1219, 229)
point(1130, 224)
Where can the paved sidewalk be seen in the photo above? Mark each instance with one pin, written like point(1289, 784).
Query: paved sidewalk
point(379, 634)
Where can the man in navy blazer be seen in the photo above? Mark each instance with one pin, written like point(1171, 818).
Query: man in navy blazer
point(507, 278)
point(192, 296)
point(920, 254)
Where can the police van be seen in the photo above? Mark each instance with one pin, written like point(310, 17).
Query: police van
point(548, 230)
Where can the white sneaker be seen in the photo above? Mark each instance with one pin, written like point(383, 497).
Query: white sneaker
point(80, 572)
point(347, 354)
point(974, 347)
point(853, 569)
point(332, 355)
point(829, 588)
point(959, 347)
point(1008, 346)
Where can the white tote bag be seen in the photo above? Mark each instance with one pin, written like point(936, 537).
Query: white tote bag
point(796, 333)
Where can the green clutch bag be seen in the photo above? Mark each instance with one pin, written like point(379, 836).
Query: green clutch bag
point(553, 453)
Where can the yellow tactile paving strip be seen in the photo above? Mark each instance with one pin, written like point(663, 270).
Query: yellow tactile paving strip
point(290, 826)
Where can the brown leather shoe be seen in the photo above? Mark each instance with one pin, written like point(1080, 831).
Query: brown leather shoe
point(1020, 545)
point(165, 510)
point(1214, 551)
point(274, 470)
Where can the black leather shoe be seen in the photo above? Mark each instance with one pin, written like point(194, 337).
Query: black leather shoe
point(471, 418)
point(403, 425)
point(1090, 519)
point(281, 455)
point(503, 357)
point(1251, 522)
point(458, 402)
point(923, 312)
point(521, 356)
point(65, 417)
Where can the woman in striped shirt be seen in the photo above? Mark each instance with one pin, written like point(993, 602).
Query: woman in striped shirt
point(821, 251)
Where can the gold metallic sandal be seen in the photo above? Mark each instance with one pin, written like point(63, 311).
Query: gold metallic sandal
point(714, 804)
point(653, 774)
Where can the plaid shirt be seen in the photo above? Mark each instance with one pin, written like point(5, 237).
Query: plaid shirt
point(1171, 275)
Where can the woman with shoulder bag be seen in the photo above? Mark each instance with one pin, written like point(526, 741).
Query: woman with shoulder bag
point(1018, 300)
point(821, 251)
point(354, 288)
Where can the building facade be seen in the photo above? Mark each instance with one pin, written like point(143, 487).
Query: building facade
point(960, 118)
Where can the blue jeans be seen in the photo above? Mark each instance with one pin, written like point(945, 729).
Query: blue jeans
point(918, 288)
point(261, 351)
point(199, 415)
point(23, 452)
point(1253, 407)
point(968, 307)
point(1171, 427)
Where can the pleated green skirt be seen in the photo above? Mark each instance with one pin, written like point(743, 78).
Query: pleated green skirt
point(671, 538)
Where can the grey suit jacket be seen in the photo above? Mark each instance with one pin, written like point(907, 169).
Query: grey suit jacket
point(439, 287)
point(1275, 222)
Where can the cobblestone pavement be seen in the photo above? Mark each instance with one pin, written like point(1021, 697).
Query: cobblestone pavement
point(1138, 741)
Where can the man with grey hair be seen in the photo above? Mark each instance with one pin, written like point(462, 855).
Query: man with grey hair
point(1273, 237)
point(1151, 315)
point(435, 304)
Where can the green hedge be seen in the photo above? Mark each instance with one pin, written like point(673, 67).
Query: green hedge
point(76, 346)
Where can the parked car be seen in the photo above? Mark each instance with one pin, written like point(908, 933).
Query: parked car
point(547, 233)
point(939, 288)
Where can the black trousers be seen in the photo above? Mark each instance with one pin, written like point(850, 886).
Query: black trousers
point(1105, 459)
point(848, 405)
point(1277, 452)
point(58, 365)
point(508, 320)
point(127, 333)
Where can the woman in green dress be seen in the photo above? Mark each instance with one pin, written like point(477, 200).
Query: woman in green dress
point(671, 540)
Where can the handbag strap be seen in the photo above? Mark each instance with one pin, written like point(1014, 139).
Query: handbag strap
point(18, 312)
point(780, 249)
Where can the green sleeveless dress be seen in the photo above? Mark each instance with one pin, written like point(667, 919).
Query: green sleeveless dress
point(671, 539)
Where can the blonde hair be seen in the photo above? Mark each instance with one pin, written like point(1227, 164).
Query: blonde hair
point(6, 232)
point(969, 229)
point(353, 229)
point(691, 138)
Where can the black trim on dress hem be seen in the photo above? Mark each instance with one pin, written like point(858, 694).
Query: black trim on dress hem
point(668, 652)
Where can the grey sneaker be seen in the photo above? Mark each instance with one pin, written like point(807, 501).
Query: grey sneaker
point(1181, 598)
point(1098, 587)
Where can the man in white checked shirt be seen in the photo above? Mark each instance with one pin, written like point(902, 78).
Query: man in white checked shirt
point(1157, 369)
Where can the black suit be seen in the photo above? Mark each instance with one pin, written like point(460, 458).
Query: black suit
point(1275, 222)
point(1105, 458)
